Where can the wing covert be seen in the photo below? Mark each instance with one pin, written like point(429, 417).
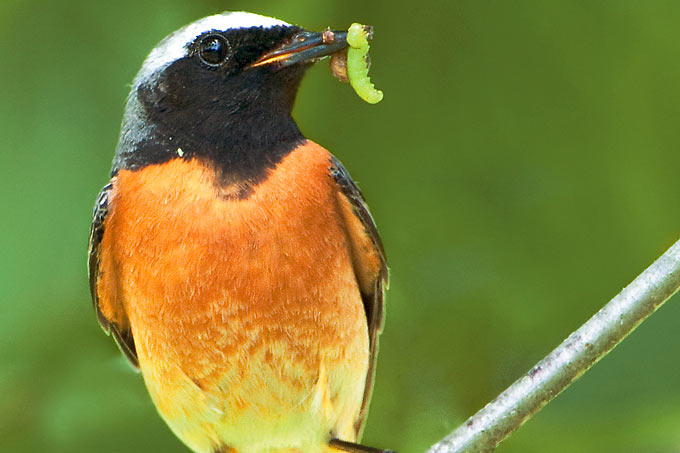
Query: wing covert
point(123, 336)
point(370, 265)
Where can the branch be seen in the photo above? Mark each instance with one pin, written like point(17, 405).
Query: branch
point(581, 350)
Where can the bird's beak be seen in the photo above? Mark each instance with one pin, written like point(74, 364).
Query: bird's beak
point(306, 46)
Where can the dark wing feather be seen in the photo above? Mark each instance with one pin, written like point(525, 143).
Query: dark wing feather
point(123, 337)
point(373, 298)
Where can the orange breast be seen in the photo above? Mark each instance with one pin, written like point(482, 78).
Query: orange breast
point(232, 293)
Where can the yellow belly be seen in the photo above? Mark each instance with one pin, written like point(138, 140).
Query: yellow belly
point(263, 402)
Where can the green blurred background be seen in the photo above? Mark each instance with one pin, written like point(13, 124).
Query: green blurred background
point(522, 169)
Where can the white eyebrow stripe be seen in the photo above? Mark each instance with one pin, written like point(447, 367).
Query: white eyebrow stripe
point(173, 47)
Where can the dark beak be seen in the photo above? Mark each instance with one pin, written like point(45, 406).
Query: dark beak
point(304, 47)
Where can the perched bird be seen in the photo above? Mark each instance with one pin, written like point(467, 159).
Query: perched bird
point(234, 261)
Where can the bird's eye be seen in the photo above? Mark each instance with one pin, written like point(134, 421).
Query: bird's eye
point(214, 50)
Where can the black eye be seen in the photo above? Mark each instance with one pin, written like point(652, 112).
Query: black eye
point(214, 50)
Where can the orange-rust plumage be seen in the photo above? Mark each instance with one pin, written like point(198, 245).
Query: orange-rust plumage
point(245, 312)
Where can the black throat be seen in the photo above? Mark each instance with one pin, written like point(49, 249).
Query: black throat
point(239, 124)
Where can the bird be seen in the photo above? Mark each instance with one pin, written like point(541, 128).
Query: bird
point(235, 262)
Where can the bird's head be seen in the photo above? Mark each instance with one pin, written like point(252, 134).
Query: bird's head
point(220, 88)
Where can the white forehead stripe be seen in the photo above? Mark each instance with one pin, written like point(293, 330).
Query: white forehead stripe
point(173, 47)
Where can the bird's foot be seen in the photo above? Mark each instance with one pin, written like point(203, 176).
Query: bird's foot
point(341, 445)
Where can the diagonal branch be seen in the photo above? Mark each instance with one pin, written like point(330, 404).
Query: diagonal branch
point(581, 350)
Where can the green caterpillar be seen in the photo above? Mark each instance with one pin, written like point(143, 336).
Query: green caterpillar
point(357, 65)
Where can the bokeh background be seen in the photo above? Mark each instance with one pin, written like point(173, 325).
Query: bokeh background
point(522, 169)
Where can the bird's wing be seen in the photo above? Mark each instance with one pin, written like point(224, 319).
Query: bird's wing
point(370, 266)
point(121, 334)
